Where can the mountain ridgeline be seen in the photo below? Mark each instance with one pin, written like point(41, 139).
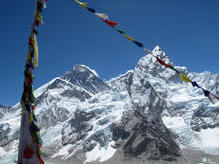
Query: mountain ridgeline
point(82, 117)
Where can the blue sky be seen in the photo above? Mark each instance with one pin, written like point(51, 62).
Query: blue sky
point(188, 30)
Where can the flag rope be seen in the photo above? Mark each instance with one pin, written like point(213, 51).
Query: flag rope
point(104, 17)
point(30, 142)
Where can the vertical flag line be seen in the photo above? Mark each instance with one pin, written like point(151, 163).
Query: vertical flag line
point(104, 17)
point(30, 141)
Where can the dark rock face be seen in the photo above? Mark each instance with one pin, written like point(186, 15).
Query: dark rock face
point(6, 134)
point(141, 130)
point(204, 118)
point(144, 138)
point(83, 77)
point(77, 128)
point(4, 130)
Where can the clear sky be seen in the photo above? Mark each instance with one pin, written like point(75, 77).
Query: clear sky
point(188, 30)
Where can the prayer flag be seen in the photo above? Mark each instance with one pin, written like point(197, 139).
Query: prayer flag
point(206, 92)
point(35, 45)
point(102, 16)
point(138, 44)
point(128, 37)
point(91, 10)
point(82, 4)
point(112, 24)
point(194, 84)
point(162, 62)
point(184, 78)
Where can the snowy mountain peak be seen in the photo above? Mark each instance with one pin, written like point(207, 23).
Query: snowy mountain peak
point(86, 78)
point(84, 68)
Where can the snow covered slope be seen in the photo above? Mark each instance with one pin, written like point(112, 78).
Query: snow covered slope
point(147, 113)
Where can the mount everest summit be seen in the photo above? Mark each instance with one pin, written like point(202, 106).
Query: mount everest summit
point(145, 115)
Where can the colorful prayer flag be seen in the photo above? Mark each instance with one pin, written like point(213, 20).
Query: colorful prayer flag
point(91, 10)
point(184, 78)
point(82, 4)
point(28, 152)
point(206, 92)
point(102, 16)
point(162, 62)
point(194, 84)
point(112, 24)
point(35, 45)
point(139, 44)
point(128, 37)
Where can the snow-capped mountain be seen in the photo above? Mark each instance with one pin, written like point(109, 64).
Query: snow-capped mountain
point(86, 78)
point(146, 114)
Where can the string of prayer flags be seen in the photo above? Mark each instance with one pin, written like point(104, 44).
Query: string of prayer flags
point(104, 17)
point(185, 78)
point(30, 142)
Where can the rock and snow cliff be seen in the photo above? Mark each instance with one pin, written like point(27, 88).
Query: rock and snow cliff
point(147, 113)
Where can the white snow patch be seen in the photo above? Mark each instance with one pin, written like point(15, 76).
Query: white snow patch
point(209, 141)
point(119, 76)
point(93, 71)
point(100, 154)
point(174, 122)
point(2, 151)
point(63, 152)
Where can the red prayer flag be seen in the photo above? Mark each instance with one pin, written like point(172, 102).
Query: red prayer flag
point(162, 62)
point(37, 22)
point(112, 24)
point(30, 41)
point(28, 152)
point(41, 160)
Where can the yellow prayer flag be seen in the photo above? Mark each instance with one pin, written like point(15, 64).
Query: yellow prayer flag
point(82, 4)
point(184, 78)
point(28, 58)
point(35, 45)
point(30, 117)
point(128, 37)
